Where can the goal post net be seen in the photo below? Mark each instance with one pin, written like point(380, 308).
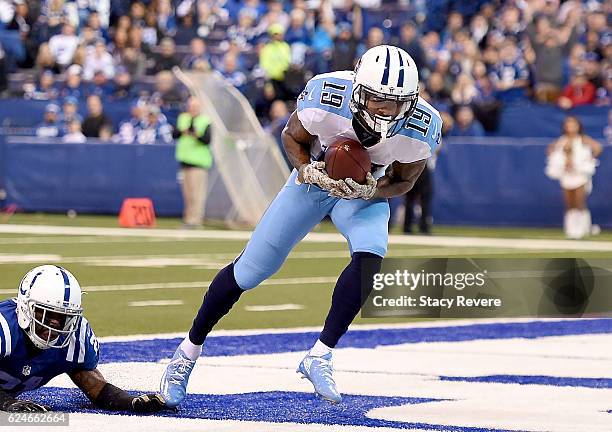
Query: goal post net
point(248, 169)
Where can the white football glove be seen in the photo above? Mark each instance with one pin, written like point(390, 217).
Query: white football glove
point(314, 173)
point(363, 191)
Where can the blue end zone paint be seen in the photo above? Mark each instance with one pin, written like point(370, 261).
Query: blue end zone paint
point(603, 383)
point(271, 407)
point(157, 349)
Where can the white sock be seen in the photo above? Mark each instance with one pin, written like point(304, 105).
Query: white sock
point(566, 223)
point(574, 224)
point(586, 222)
point(319, 349)
point(191, 351)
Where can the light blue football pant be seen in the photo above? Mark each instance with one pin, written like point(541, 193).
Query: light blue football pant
point(295, 211)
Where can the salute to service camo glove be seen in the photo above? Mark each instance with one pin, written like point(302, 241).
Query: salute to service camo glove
point(314, 173)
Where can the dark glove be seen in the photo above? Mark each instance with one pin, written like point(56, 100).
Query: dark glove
point(147, 403)
point(17, 405)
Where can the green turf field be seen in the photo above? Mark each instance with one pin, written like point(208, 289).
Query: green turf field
point(120, 273)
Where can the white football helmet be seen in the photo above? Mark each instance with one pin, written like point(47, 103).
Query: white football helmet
point(49, 306)
point(385, 90)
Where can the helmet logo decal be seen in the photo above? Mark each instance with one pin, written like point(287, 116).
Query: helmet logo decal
point(385, 78)
point(26, 369)
point(66, 285)
point(22, 289)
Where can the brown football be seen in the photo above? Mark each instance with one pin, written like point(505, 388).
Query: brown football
point(347, 158)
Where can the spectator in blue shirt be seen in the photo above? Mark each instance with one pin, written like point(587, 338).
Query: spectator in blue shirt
point(345, 48)
point(45, 88)
point(122, 85)
point(69, 113)
point(154, 128)
point(454, 23)
point(166, 22)
point(323, 44)
point(465, 123)
point(410, 42)
point(100, 86)
point(198, 58)
point(232, 74)
point(298, 36)
point(244, 32)
point(186, 30)
point(50, 127)
point(73, 86)
point(129, 128)
point(510, 75)
point(95, 23)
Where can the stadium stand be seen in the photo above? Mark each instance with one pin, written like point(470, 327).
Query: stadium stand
point(495, 63)
point(492, 55)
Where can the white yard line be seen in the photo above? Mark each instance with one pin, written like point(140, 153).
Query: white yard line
point(446, 241)
point(196, 284)
point(146, 303)
point(276, 307)
point(62, 239)
point(29, 258)
point(214, 260)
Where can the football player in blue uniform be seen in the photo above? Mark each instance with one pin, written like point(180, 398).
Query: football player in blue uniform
point(43, 334)
point(379, 105)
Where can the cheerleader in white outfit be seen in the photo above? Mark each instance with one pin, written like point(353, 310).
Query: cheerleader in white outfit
point(572, 161)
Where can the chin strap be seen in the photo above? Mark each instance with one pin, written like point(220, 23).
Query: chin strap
point(365, 136)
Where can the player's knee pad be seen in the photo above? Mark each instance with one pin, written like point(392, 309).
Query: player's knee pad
point(250, 272)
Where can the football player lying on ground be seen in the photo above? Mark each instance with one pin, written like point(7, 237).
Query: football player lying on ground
point(43, 334)
point(378, 105)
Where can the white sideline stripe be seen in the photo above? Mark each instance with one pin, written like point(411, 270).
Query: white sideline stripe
point(196, 284)
point(28, 258)
point(70, 240)
point(354, 327)
point(277, 307)
point(542, 244)
point(155, 303)
point(208, 261)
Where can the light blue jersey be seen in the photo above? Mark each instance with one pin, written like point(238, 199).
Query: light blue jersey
point(324, 111)
point(23, 368)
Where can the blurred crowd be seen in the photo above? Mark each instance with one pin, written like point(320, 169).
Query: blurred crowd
point(474, 56)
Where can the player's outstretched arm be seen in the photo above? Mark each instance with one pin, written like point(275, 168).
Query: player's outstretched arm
point(399, 179)
point(107, 396)
point(9, 403)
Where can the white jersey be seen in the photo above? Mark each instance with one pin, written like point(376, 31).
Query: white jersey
point(323, 110)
